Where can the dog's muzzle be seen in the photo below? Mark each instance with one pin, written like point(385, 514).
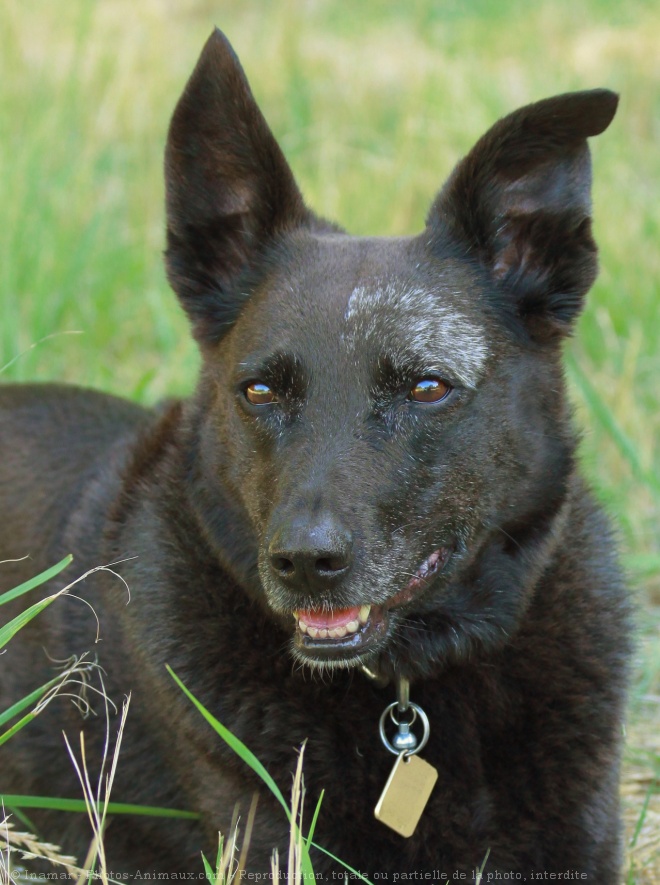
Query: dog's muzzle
point(345, 636)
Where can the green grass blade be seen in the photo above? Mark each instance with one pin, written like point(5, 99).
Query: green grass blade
point(250, 759)
point(354, 873)
point(28, 824)
point(606, 417)
point(480, 871)
point(7, 631)
point(37, 581)
point(210, 875)
point(642, 815)
point(4, 737)
point(315, 817)
point(26, 702)
point(79, 806)
point(237, 745)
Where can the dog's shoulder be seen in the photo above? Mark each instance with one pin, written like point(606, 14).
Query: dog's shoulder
point(59, 406)
point(52, 439)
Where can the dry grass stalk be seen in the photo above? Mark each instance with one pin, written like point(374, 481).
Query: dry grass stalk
point(294, 871)
point(28, 847)
point(97, 801)
point(248, 834)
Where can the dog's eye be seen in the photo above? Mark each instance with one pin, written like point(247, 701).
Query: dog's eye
point(429, 390)
point(259, 394)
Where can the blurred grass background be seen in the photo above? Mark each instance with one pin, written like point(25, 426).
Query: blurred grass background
point(373, 102)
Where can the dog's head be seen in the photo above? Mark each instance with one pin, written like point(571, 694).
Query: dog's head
point(382, 446)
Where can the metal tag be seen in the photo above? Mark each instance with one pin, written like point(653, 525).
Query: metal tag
point(406, 793)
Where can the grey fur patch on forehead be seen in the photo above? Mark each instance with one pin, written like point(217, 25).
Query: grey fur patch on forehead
point(414, 321)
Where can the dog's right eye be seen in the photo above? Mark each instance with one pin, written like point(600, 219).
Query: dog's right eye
point(429, 390)
point(259, 394)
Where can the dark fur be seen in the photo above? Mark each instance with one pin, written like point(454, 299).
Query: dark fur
point(517, 649)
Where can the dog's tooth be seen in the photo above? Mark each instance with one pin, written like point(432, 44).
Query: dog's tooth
point(337, 632)
point(364, 613)
point(352, 626)
point(313, 632)
point(323, 633)
point(302, 626)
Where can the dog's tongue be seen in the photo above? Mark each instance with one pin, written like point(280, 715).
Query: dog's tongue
point(340, 617)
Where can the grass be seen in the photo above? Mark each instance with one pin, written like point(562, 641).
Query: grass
point(372, 103)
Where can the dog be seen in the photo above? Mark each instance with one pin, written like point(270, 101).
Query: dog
point(371, 501)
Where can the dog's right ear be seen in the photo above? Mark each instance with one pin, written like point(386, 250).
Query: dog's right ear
point(229, 190)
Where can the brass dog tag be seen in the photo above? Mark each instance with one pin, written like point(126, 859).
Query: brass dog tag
point(406, 793)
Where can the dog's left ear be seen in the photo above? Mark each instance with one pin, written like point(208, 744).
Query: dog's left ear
point(229, 191)
point(520, 202)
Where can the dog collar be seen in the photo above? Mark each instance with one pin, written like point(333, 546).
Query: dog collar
point(411, 781)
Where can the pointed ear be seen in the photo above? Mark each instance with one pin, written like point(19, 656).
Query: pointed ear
point(229, 190)
point(521, 203)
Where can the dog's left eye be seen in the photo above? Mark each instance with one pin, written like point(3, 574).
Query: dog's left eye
point(259, 394)
point(429, 390)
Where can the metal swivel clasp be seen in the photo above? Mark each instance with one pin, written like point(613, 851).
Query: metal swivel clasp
point(404, 741)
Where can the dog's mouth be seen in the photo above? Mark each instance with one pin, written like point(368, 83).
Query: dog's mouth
point(348, 634)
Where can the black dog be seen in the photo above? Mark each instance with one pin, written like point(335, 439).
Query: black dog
point(375, 481)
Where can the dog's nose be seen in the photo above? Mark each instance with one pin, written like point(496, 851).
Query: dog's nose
point(311, 556)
